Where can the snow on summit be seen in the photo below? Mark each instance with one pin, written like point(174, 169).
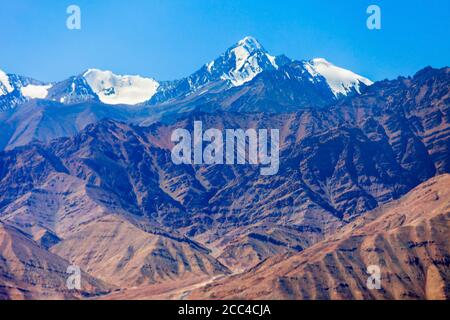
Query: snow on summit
point(341, 81)
point(244, 61)
point(116, 89)
point(250, 43)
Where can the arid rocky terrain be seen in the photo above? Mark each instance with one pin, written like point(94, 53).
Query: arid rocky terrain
point(407, 238)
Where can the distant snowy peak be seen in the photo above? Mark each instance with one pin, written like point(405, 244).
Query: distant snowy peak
point(73, 90)
point(116, 89)
point(16, 89)
point(238, 65)
point(341, 81)
point(248, 58)
point(242, 62)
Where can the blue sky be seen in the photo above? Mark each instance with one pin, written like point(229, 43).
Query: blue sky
point(169, 39)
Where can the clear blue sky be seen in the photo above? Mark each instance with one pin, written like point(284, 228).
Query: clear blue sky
point(169, 39)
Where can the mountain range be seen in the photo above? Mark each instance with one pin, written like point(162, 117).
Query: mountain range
point(238, 65)
point(242, 77)
point(86, 177)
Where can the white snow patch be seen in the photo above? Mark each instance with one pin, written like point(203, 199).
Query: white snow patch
point(246, 69)
point(272, 60)
point(5, 86)
point(341, 81)
point(210, 65)
point(115, 89)
point(246, 55)
point(35, 91)
point(241, 55)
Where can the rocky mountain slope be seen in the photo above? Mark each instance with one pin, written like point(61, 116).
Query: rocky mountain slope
point(28, 271)
point(334, 167)
point(115, 250)
point(86, 225)
point(408, 240)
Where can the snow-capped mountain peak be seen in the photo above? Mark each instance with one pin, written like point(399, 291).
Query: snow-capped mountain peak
point(341, 81)
point(250, 44)
point(116, 89)
point(242, 62)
